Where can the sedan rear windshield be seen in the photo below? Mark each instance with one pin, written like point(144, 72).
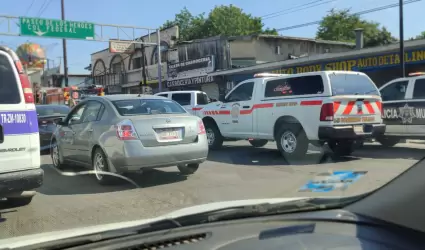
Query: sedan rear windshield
point(52, 110)
point(352, 84)
point(147, 107)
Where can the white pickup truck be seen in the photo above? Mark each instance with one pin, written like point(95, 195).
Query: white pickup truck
point(336, 107)
point(192, 100)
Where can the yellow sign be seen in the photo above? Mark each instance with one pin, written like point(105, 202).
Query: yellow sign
point(359, 64)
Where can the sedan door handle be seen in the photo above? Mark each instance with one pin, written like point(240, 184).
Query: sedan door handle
point(90, 130)
point(245, 107)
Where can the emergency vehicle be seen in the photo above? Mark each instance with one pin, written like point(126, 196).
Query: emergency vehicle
point(403, 109)
point(334, 107)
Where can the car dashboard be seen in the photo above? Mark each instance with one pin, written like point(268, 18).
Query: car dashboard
point(332, 229)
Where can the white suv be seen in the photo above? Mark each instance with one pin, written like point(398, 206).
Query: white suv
point(20, 171)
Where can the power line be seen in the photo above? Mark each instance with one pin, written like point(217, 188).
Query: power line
point(42, 6)
point(302, 5)
point(45, 8)
point(32, 3)
point(297, 10)
point(357, 13)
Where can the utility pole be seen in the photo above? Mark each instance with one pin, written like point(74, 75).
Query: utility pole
point(144, 81)
point(65, 59)
point(401, 17)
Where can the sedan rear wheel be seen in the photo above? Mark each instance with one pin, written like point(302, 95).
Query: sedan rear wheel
point(188, 169)
point(100, 164)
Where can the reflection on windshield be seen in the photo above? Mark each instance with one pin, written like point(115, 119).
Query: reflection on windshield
point(147, 107)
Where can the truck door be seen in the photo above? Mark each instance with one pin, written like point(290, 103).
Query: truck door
point(395, 107)
point(416, 103)
point(239, 102)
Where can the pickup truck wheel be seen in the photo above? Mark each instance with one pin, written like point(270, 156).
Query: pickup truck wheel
point(258, 143)
point(214, 137)
point(292, 141)
point(342, 148)
point(388, 141)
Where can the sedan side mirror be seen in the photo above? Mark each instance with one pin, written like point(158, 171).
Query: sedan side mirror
point(59, 121)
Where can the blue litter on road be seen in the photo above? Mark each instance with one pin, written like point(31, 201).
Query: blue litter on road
point(327, 182)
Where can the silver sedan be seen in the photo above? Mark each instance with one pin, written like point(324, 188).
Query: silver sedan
point(129, 133)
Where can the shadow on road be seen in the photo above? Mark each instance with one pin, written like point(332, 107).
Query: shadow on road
point(250, 156)
point(57, 184)
point(397, 152)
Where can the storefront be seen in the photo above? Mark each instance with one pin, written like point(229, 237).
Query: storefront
point(381, 64)
point(193, 75)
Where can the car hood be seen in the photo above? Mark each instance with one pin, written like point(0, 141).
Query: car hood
point(27, 240)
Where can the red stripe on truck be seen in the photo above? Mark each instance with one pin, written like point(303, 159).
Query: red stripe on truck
point(256, 106)
point(311, 103)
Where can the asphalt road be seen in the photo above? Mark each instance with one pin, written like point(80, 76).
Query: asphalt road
point(239, 171)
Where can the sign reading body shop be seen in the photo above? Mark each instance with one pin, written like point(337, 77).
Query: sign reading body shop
point(359, 64)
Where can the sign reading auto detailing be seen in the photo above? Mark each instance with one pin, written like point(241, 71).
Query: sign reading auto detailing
point(359, 64)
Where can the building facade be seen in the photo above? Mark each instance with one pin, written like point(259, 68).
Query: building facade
point(122, 72)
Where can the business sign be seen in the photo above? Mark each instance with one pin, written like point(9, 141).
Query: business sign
point(191, 68)
point(30, 26)
point(116, 46)
point(190, 81)
point(359, 64)
point(327, 182)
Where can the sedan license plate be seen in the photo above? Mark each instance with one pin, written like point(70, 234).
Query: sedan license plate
point(358, 129)
point(169, 134)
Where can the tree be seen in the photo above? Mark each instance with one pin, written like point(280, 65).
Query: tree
point(339, 25)
point(222, 20)
point(421, 36)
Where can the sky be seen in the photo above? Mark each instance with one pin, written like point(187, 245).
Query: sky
point(152, 14)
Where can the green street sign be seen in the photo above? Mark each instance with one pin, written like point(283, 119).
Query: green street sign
point(56, 28)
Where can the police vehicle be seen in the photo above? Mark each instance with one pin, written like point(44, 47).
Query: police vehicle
point(20, 171)
point(403, 109)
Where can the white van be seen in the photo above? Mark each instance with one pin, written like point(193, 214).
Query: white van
point(20, 171)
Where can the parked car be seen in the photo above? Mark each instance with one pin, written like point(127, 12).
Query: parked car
point(129, 133)
point(20, 171)
point(192, 100)
point(46, 115)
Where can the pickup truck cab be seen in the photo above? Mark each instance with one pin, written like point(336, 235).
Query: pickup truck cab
point(403, 109)
point(191, 100)
point(336, 107)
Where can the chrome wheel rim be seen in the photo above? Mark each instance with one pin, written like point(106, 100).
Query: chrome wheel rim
point(210, 136)
point(99, 166)
point(55, 155)
point(288, 142)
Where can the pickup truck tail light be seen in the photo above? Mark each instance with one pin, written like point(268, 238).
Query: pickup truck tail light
point(327, 112)
point(126, 131)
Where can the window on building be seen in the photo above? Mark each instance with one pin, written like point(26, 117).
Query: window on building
point(241, 93)
point(305, 85)
point(164, 53)
point(395, 91)
point(419, 89)
point(181, 98)
point(137, 63)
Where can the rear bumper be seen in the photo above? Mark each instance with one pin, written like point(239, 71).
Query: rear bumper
point(136, 157)
point(19, 181)
point(347, 132)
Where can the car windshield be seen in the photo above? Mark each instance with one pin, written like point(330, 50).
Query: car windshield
point(134, 107)
point(47, 110)
point(174, 107)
